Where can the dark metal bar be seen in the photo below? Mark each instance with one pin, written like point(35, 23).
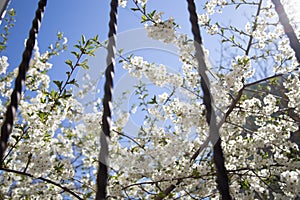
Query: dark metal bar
point(10, 114)
point(102, 174)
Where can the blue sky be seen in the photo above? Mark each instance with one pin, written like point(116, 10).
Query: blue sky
point(75, 18)
point(90, 18)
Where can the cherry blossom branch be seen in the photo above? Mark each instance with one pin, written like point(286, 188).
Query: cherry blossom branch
point(143, 11)
point(171, 187)
point(263, 80)
point(251, 169)
point(254, 28)
point(231, 108)
point(130, 138)
point(65, 189)
point(15, 144)
point(84, 184)
point(288, 29)
point(240, 93)
point(238, 4)
point(8, 124)
point(28, 162)
point(167, 180)
point(86, 48)
point(202, 176)
point(187, 193)
point(234, 44)
point(167, 191)
point(191, 91)
point(262, 180)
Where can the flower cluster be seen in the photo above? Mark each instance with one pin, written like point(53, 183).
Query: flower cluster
point(291, 180)
point(292, 84)
point(161, 30)
point(239, 73)
point(3, 64)
point(156, 74)
point(55, 141)
point(123, 3)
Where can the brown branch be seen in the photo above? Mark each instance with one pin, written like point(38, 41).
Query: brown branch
point(65, 189)
point(254, 28)
point(130, 138)
point(167, 191)
point(28, 162)
point(179, 179)
point(15, 144)
point(230, 109)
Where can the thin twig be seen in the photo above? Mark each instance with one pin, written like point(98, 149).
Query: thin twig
point(254, 28)
point(130, 138)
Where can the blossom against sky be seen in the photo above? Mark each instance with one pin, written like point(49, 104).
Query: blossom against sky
point(89, 18)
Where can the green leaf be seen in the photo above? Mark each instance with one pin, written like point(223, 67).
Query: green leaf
point(222, 31)
point(144, 8)
point(153, 100)
point(96, 38)
point(120, 51)
point(69, 62)
point(60, 35)
point(144, 18)
point(88, 195)
point(134, 9)
point(2, 47)
point(77, 46)
point(151, 15)
point(162, 195)
point(58, 84)
point(65, 95)
point(43, 100)
point(90, 46)
point(54, 94)
point(77, 55)
point(84, 64)
point(43, 115)
point(47, 137)
point(12, 12)
point(245, 184)
point(73, 82)
point(196, 173)
point(83, 39)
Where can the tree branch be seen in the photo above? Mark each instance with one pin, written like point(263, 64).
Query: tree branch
point(65, 189)
point(254, 28)
point(288, 29)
